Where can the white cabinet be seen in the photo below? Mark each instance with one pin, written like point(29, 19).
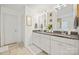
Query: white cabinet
point(42, 41)
point(64, 46)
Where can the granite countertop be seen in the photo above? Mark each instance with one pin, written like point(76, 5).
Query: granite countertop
point(59, 35)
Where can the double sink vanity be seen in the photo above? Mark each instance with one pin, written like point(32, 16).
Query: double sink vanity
point(56, 43)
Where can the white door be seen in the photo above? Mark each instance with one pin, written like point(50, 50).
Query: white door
point(10, 31)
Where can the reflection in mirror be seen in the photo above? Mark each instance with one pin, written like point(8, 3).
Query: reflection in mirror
point(35, 25)
point(44, 20)
point(59, 23)
point(41, 26)
point(76, 22)
point(64, 25)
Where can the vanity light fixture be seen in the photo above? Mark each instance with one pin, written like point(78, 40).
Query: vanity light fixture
point(28, 20)
point(59, 6)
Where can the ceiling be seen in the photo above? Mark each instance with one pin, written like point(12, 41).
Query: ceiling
point(18, 7)
point(34, 8)
point(38, 8)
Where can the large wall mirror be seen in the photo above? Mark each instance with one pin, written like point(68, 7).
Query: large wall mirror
point(59, 23)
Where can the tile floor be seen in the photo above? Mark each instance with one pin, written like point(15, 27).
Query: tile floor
point(16, 49)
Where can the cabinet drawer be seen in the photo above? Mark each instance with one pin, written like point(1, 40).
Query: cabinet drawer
point(35, 35)
point(71, 42)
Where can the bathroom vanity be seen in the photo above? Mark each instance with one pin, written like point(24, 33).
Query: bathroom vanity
point(56, 44)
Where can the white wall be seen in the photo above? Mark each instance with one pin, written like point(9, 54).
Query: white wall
point(0, 25)
point(19, 13)
point(28, 29)
point(23, 27)
point(0, 18)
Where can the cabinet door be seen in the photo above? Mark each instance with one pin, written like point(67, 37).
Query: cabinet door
point(45, 42)
point(55, 47)
point(36, 39)
point(59, 47)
